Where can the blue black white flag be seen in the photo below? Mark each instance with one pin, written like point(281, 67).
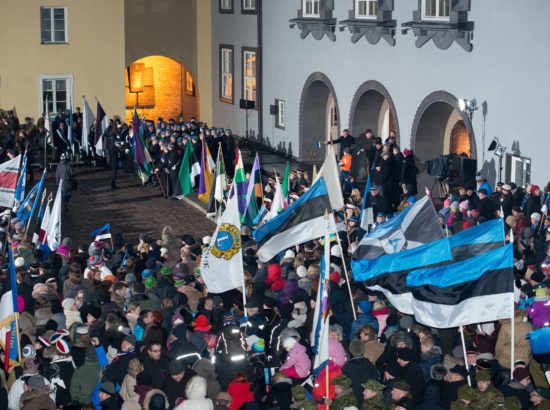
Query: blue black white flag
point(388, 273)
point(476, 290)
point(414, 226)
point(299, 223)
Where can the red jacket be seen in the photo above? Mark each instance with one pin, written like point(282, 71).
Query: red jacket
point(240, 394)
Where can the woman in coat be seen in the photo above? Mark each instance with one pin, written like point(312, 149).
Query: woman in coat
point(297, 363)
point(196, 396)
point(522, 346)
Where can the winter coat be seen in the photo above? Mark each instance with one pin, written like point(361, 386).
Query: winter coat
point(373, 350)
point(274, 272)
point(428, 359)
point(414, 377)
point(359, 370)
point(17, 390)
point(280, 394)
point(60, 373)
point(540, 311)
point(522, 345)
point(112, 403)
point(205, 369)
point(84, 380)
point(149, 396)
point(432, 398)
point(37, 400)
point(174, 389)
point(127, 387)
point(240, 394)
point(156, 368)
point(298, 358)
point(337, 353)
point(363, 319)
point(196, 396)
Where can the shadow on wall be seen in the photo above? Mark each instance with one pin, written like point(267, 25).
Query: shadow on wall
point(282, 147)
point(489, 171)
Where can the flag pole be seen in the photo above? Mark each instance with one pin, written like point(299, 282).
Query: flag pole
point(347, 277)
point(18, 336)
point(512, 336)
point(327, 386)
point(465, 355)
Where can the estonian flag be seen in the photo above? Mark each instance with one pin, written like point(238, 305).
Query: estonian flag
point(106, 227)
point(388, 273)
point(476, 290)
point(301, 222)
point(367, 217)
point(414, 226)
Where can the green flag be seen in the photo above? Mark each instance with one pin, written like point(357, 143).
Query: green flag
point(286, 182)
point(188, 165)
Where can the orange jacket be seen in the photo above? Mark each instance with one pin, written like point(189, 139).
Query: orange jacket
point(345, 162)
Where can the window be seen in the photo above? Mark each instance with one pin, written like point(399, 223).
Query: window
point(519, 170)
point(189, 85)
point(57, 90)
point(280, 117)
point(366, 9)
point(226, 73)
point(226, 6)
point(249, 74)
point(435, 10)
point(311, 8)
point(53, 25)
point(249, 6)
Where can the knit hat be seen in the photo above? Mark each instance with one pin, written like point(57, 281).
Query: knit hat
point(535, 216)
point(36, 382)
point(289, 343)
point(95, 260)
point(146, 273)
point(31, 364)
point(131, 339)
point(289, 254)
point(228, 317)
point(365, 306)
point(533, 189)
point(67, 303)
point(259, 346)
point(150, 282)
point(28, 351)
point(19, 262)
point(301, 271)
point(402, 385)
point(521, 373)
point(202, 324)
point(108, 387)
point(356, 348)
point(461, 370)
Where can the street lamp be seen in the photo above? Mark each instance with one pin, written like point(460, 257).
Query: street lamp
point(498, 150)
point(468, 106)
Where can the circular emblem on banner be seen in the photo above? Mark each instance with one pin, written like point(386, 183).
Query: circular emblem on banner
point(227, 243)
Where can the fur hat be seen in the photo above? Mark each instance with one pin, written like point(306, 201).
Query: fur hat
point(357, 348)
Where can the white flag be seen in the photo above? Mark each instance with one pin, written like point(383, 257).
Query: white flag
point(8, 181)
point(222, 263)
point(330, 171)
point(87, 121)
point(277, 203)
point(54, 223)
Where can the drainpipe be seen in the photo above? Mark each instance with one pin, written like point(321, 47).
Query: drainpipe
point(259, 73)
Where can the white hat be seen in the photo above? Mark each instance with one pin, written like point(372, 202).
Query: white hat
point(67, 303)
point(289, 254)
point(335, 251)
point(163, 251)
point(206, 240)
point(301, 271)
point(19, 262)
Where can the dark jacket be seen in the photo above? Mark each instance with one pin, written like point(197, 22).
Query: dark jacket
point(112, 403)
point(65, 172)
point(359, 370)
point(156, 368)
point(280, 394)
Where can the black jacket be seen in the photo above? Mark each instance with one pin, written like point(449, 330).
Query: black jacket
point(65, 172)
point(359, 370)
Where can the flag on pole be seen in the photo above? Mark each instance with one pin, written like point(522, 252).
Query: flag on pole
point(54, 224)
point(286, 183)
point(40, 218)
point(87, 121)
point(140, 149)
point(278, 203)
point(43, 233)
point(478, 289)
point(222, 263)
point(331, 173)
point(35, 203)
point(320, 343)
point(388, 273)
point(21, 184)
point(253, 191)
point(238, 187)
point(8, 181)
point(9, 312)
point(99, 232)
point(301, 222)
point(219, 186)
point(71, 125)
point(414, 226)
point(206, 177)
point(367, 217)
point(189, 169)
point(101, 126)
point(25, 209)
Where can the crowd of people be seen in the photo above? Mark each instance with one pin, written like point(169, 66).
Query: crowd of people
point(134, 326)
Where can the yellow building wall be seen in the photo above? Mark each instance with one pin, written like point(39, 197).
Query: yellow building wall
point(95, 54)
point(204, 59)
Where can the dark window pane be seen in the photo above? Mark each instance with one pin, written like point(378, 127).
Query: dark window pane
point(60, 85)
point(60, 35)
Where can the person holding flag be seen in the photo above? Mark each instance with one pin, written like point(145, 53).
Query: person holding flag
point(65, 174)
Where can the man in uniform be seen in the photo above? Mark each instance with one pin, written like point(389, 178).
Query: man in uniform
point(344, 393)
point(300, 400)
point(466, 398)
point(372, 395)
point(489, 395)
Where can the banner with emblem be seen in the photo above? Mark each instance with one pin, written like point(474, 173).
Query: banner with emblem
point(222, 263)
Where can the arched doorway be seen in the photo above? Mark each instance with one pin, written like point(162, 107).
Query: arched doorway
point(159, 86)
point(319, 116)
point(372, 108)
point(440, 128)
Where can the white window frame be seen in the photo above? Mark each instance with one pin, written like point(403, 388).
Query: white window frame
point(52, 31)
point(247, 64)
point(368, 3)
point(67, 77)
point(226, 73)
point(226, 4)
point(280, 118)
point(311, 8)
point(522, 162)
point(249, 5)
point(437, 17)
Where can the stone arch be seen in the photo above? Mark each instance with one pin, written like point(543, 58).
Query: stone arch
point(313, 120)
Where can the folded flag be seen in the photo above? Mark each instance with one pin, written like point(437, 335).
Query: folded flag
point(8, 181)
point(478, 289)
point(301, 222)
point(37, 229)
point(253, 191)
point(367, 217)
point(222, 263)
point(21, 183)
point(189, 169)
point(388, 273)
point(206, 177)
point(54, 223)
point(331, 173)
point(238, 187)
point(414, 226)
point(87, 121)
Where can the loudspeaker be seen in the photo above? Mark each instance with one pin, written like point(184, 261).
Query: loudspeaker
point(273, 109)
point(247, 104)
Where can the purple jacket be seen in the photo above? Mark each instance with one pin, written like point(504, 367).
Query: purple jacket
point(540, 312)
point(289, 291)
point(298, 358)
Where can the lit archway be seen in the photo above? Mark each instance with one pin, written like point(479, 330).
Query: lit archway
point(437, 122)
point(159, 86)
point(319, 116)
point(371, 108)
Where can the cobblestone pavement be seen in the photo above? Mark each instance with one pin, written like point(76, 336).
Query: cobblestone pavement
point(131, 209)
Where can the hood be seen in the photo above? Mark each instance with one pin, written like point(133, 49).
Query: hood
point(134, 367)
point(27, 323)
point(289, 291)
point(274, 272)
point(151, 393)
point(196, 388)
point(33, 394)
point(435, 352)
point(401, 336)
point(205, 368)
